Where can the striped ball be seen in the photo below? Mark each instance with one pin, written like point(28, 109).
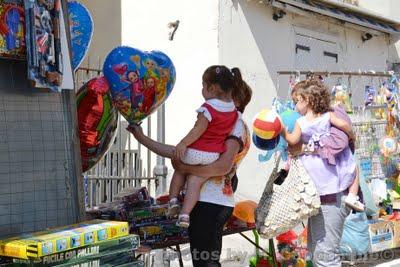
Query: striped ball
point(267, 124)
point(265, 144)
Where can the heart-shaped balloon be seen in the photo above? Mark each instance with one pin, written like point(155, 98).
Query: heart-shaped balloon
point(97, 121)
point(81, 28)
point(139, 81)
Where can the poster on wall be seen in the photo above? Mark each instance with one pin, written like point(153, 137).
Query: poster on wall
point(47, 45)
point(12, 29)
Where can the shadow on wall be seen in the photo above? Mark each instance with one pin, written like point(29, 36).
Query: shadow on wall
point(394, 54)
point(273, 38)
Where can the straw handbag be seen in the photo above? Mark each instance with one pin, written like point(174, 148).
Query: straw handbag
point(284, 206)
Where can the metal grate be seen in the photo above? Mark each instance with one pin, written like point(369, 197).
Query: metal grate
point(369, 132)
point(37, 175)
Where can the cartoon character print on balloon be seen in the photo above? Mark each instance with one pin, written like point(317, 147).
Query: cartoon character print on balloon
point(149, 95)
point(140, 81)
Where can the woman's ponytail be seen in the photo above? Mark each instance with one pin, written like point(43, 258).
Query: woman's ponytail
point(241, 92)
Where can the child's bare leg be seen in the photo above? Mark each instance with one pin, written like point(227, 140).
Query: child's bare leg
point(177, 182)
point(352, 198)
point(192, 195)
point(353, 189)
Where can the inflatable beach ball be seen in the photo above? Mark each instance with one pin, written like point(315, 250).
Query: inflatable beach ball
point(289, 118)
point(267, 124)
point(265, 144)
point(97, 121)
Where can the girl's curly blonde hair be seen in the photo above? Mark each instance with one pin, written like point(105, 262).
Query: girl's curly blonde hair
point(315, 93)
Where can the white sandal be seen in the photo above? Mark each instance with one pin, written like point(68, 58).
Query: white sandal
point(173, 207)
point(353, 202)
point(183, 221)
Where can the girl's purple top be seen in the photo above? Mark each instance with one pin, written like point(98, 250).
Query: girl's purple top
point(328, 178)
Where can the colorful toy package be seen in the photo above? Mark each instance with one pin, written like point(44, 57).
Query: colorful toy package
point(39, 244)
point(123, 205)
point(156, 233)
point(44, 33)
point(114, 259)
point(118, 246)
point(369, 97)
point(12, 29)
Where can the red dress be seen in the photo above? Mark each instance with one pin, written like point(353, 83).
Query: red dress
point(220, 125)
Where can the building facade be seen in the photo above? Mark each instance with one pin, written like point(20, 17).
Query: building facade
point(259, 37)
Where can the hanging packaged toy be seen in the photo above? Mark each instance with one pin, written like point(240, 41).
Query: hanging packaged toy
point(370, 93)
point(341, 97)
point(388, 146)
point(380, 100)
point(392, 100)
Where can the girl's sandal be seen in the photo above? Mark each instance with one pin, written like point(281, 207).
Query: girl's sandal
point(183, 221)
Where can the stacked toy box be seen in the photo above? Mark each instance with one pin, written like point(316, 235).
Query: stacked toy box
point(92, 243)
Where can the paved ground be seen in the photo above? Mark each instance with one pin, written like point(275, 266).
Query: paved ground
point(236, 251)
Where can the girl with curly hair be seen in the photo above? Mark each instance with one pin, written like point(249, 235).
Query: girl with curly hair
point(313, 102)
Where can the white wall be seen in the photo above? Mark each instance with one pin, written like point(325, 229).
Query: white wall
point(250, 39)
point(107, 31)
point(194, 48)
point(387, 8)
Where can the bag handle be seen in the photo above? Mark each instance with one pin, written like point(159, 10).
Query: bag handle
point(260, 213)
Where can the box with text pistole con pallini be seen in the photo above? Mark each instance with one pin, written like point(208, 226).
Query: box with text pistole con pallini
point(116, 251)
point(60, 239)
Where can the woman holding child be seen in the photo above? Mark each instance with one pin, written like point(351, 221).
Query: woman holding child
point(208, 204)
point(209, 171)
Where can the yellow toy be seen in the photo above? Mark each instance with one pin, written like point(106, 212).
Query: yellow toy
point(380, 99)
point(382, 212)
point(342, 97)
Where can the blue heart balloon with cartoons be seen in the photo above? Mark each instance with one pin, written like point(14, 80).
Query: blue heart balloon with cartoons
point(81, 28)
point(140, 81)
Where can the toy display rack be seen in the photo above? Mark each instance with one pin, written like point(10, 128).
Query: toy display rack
point(336, 73)
point(369, 130)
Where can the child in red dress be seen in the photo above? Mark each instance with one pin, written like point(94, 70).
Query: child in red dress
point(205, 142)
